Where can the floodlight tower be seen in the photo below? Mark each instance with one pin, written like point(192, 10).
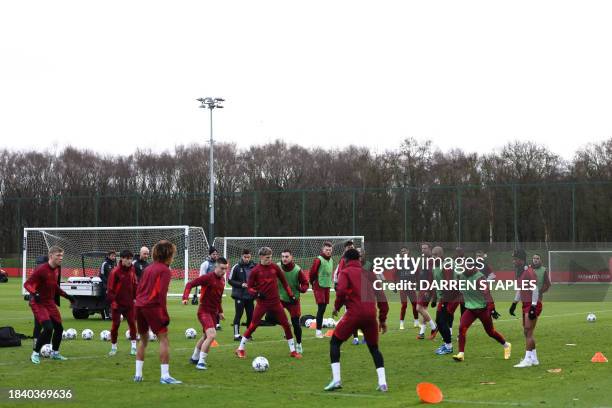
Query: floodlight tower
point(211, 104)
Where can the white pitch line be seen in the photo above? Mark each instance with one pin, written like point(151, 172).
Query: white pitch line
point(501, 403)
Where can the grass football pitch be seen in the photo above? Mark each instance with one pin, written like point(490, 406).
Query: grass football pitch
point(564, 341)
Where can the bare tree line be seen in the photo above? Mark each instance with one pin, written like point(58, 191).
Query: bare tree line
point(523, 192)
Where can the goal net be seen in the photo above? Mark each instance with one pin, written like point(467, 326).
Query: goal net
point(580, 266)
point(304, 249)
point(86, 247)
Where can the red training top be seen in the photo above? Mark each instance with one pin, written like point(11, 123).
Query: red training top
point(44, 281)
point(263, 279)
point(121, 286)
point(355, 291)
point(212, 292)
point(153, 286)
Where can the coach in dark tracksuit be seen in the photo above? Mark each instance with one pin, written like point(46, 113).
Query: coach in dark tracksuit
point(105, 269)
point(243, 301)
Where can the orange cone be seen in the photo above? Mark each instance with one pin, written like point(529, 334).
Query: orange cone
point(214, 344)
point(599, 358)
point(329, 333)
point(429, 393)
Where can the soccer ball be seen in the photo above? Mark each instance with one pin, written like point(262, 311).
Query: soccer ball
point(71, 334)
point(152, 336)
point(105, 335)
point(191, 333)
point(127, 335)
point(64, 335)
point(591, 317)
point(87, 334)
point(308, 322)
point(260, 364)
point(46, 350)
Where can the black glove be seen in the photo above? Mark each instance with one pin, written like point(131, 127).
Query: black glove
point(532, 312)
point(261, 296)
point(37, 297)
point(433, 304)
point(494, 314)
point(512, 308)
point(70, 298)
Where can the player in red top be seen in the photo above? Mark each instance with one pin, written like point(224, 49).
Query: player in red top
point(211, 296)
point(532, 301)
point(321, 279)
point(407, 275)
point(341, 264)
point(44, 292)
point(424, 296)
point(263, 284)
point(356, 292)
point(298, 283)
point(151, 311)
point(120, 293)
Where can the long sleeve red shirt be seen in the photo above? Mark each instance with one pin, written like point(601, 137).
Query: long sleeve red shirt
point(212, 292)
point(263, 279)
point(121, 286)
point(153, 287)
point(44, 281)
point(355, 291)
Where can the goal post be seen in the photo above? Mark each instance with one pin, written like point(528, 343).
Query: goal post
point(571, 267)
point(84, 248)
point(304, 249)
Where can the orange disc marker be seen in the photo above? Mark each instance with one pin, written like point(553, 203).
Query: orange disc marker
point(599, 358)
point(429, 393)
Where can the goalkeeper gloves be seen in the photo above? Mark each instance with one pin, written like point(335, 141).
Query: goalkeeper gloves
point(293, 300)
point(513, 308)
point(433, 304)
point(494, 314)
point(70, 298)
point(532, 312)
point(37, 297)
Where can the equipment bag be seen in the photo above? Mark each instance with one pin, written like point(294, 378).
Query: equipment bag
point(8, 337)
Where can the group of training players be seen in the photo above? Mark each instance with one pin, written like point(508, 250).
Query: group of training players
point(473, 302)
point(277, 287)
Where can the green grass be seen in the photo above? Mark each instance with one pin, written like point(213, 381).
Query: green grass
point(97, 380)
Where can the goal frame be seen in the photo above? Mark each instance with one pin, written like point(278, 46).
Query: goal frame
point(550, 271)
point(185, 228)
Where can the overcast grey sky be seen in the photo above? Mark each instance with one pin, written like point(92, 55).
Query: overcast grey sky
point(116, 75)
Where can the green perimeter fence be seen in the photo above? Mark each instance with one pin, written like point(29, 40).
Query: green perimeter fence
point(554, 212)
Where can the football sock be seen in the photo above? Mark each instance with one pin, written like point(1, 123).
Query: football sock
point(506, 345)
point(203, 356)
point(139, 364)
point(133, 343)
point(422, 329)
point(381, 376)
point(448, 346)
point(196, 353)
point(114, 346)
point(291, 345)
point(243, 342)
point(335, 372)
point(432, 324)
point(165, 370)
point(534, 355)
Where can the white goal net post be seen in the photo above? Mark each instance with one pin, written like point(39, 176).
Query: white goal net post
point(85, 248)
point(304, 249)
point(571, 267)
